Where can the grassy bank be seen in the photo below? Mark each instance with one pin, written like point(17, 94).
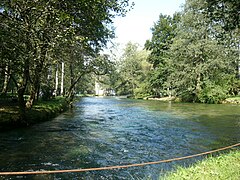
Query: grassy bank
point(45, 110)
point(232, 100)
point(41, 111)
point(222, 167)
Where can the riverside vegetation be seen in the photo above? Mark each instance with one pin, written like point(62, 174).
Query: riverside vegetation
point(224, 166)
point(45, 41)
point(50, 48)
point(55, 47)
point(192, 56)
point(41, 111)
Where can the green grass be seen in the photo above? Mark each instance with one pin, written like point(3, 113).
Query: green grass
point(41, 111)
point(49, 105)
point(222, 167)
point(232, 100)
point(45, 110)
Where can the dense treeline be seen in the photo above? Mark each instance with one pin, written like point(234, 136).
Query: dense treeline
point(53, 48)
point(193, 55)
point(46, 42)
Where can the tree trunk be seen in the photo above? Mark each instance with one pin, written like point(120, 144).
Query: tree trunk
point(38, 92)
point(62, 79)
point(33, 94)
point(73, 82)
point(70, 98)
point(22, 106)
point(6, 81)
point(70, 94)
point(56, 81)
point(198, 87)
point(21, 87)
point(169, 92)
point(239, 61)
point(37, 76)
point(34, 87)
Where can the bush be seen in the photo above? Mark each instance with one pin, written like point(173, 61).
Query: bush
point(46, 92)
point(141, 92)
point(213, 94)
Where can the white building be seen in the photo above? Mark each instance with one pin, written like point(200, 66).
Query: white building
point(98, 90)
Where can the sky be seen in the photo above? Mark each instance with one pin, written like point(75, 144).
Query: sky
point(136, 25)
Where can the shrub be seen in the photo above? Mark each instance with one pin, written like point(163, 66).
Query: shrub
point(212, 94)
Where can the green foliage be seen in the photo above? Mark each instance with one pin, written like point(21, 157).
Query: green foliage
point(41, 111)
point(142, 91)
point(212, 93)
point(46, 92)
point(132, 71)
point(37, 35)
point(201, 66)
point(193, 56)
point(225, 12)
point(234, 86)
point(163, 33)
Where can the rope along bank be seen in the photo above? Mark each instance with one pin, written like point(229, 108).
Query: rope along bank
point(116, 167)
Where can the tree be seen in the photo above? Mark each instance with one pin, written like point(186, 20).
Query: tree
point(224, 12)
point(81, 63)
point(163, 32)
point(32, 31)
point(202, 68)
point(132, 70)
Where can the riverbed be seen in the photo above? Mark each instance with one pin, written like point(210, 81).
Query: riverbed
point(113, 131)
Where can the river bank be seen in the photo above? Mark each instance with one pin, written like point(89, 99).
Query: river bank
point(230, 100)
point(224, 166)
point(45, 110)
point(41, 111)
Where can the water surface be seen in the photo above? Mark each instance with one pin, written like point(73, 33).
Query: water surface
point(111, 131)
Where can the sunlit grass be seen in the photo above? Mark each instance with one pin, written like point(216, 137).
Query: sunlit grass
point(44, 110)
point(222, 167)
point(234, 98)
point(49, 105)
point(41, 111)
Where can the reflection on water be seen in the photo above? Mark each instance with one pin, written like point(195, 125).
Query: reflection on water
point(109, 131)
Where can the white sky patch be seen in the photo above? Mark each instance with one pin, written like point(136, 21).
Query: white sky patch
point(135, 27)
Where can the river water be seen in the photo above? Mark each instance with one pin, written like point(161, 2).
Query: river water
point(112, 131)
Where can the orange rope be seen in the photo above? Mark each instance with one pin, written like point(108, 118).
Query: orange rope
point(115, 167)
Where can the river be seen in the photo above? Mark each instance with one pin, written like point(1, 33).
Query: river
point(112, 131)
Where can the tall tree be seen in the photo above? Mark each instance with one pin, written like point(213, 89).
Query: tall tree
point(202, 67)
point(36, 28)
point(163, 32)
point(132, 71)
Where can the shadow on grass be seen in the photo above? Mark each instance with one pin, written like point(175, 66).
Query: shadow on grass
point(40, 112)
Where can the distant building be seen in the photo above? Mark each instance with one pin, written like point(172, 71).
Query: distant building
point(98, 90)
